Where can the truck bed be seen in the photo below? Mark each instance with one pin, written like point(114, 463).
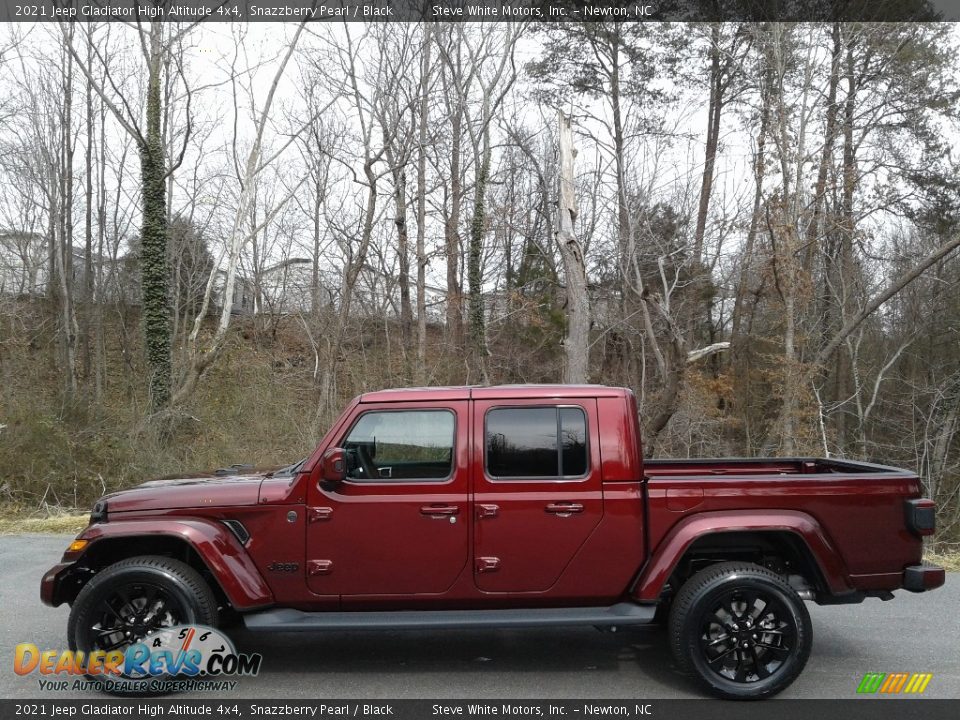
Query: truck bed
point(858, 505)
point(696, 469)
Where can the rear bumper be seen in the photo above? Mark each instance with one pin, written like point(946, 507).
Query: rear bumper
point(920, 578)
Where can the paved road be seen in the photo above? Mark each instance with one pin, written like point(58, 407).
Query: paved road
point(914, 633)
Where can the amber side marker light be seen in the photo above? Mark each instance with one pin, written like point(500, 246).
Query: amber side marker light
point(77, 545)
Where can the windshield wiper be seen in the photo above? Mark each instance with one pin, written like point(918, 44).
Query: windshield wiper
point(289, 469)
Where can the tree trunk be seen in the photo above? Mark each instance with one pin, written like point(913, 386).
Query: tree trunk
point(714, 111)
point(403, 251)
point(759, 170)
point(154, 267)
point(625, 243)
point(85, 349)
point(477, 356)
point(68, 319)
point(452, 236)
point(826, 155)
point(318, 197)
point(100, 349)
point(420, 373)
point(577, 341)
point(846, 277)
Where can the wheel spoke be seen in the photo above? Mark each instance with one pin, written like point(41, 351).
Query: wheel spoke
point(741, 667)
point(148, 603)
point(728, 606)
point(720, 656)
point(774, 648)
point(157, 608)
point(113, 611)
point(126, 601)
point(122, 642)
point(754, 612)
point(761, 669)
point(724, 624)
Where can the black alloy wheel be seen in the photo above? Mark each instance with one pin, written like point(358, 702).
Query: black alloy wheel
point(129, 612)
point(745, 637)
point(741, 630)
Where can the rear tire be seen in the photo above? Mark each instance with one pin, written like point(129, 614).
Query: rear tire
point(740, 630)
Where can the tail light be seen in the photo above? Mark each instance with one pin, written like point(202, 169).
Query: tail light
point(921, 516)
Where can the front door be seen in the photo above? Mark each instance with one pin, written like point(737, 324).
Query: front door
point(537, 491)
point(398, 524)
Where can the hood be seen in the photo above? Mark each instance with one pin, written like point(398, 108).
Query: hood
point(200, 491)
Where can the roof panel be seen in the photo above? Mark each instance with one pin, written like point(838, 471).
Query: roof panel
point(415, 394)
point(493, 392)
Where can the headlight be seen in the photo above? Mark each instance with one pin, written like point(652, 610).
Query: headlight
point(99, 514)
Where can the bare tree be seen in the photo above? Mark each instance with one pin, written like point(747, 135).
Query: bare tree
point(577, 341)
point(201, 357)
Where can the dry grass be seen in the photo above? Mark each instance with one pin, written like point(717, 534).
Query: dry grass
point(14, 522)
point(950, 561)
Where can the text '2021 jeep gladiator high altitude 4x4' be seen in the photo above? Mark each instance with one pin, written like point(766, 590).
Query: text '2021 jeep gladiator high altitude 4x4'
point(505, 506)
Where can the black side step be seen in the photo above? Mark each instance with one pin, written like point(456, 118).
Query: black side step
point(287, 619)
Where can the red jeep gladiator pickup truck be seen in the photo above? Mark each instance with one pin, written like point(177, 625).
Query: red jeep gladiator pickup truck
point(505, 506)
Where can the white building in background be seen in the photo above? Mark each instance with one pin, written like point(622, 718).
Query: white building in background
point(23, 263)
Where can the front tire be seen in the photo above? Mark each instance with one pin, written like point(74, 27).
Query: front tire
point(129, 599)
point(741, 630)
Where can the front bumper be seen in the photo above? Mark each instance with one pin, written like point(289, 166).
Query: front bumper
point(57, 583)
point(920, 578)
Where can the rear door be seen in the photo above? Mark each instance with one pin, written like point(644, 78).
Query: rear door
point(537, 490)
point(398, 524)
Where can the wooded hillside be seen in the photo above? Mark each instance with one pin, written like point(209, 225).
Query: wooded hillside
point(212, 236)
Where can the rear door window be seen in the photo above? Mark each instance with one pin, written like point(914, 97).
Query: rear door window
point(536, 442)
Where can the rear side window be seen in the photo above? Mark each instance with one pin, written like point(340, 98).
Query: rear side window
point(400, 445)
point(532, 442)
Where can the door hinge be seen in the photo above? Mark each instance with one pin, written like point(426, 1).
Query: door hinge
point(316, 514)
point(487, 564)
point(319, 567)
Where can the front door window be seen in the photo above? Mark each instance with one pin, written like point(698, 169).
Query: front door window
point(400, 445)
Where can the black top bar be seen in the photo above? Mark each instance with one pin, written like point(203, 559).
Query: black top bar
point(481, 10)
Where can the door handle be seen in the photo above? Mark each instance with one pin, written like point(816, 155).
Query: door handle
point(564, 509)
point(439, 510)
point(487, 510)
point(487, 564)
point(319, 567)
point(316, 514)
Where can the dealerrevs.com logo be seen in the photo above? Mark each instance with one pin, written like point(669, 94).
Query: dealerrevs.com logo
point(176, 659)
point(900, 683)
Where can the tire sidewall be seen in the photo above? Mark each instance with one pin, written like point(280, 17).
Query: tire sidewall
point(797, 615)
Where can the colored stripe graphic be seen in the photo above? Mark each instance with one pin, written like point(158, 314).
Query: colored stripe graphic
point(894, 683)
point(871, 682)
point(922, 680)
point(897, 684)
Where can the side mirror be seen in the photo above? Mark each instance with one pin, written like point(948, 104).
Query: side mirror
point(334, 465)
